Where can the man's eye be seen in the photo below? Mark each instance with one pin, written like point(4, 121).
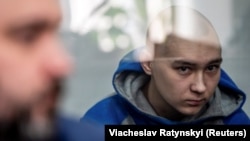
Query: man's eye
point(212, 68)
point(183, 70)
point(26, 37)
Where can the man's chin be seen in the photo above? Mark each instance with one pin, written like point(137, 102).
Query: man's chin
point(41, 115)
point(29, 125)
point(12, 110)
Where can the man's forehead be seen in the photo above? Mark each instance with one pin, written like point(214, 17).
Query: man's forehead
point(203, 61)
point(175, 45)
point(174, 40)
point(21, 10)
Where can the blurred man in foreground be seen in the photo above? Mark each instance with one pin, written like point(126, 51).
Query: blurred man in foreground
point(33, 66)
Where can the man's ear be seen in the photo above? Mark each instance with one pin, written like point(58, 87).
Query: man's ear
point(146, 66)
point(145, 58)
point(145, 55)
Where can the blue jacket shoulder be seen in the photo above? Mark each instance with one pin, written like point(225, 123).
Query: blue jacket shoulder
point(70, 129)
point(107, 111)
point(237, 118)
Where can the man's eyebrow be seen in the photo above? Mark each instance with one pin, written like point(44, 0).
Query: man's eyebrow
point(35, 23)
point(183, 62)
point(215, 61)
point(192, 63)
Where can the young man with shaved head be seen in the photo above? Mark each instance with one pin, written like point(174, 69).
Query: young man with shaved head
point(176, 79)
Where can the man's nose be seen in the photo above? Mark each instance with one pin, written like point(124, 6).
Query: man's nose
point(199, 85)
point(58, 62)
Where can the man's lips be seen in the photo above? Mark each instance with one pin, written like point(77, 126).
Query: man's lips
point(195, 102)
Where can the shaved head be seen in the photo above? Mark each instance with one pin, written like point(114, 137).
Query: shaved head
point(180, 24)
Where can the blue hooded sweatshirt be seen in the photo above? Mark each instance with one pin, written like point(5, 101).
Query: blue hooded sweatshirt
point(129, 106)
point(69, 129)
